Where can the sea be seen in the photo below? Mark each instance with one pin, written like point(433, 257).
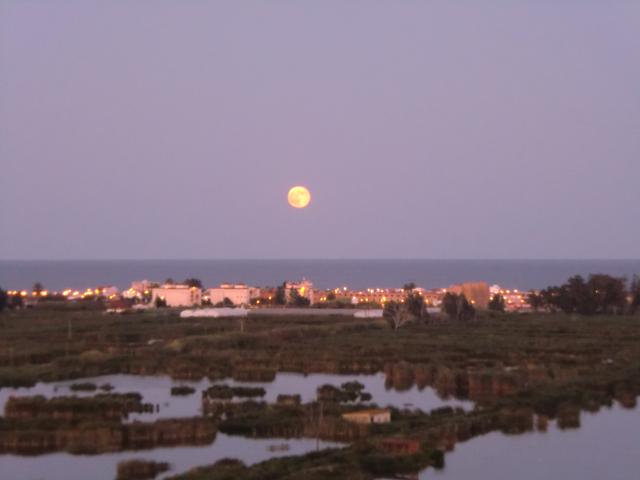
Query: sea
point(355, 274)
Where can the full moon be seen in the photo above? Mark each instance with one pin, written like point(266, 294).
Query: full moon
point(299, 197)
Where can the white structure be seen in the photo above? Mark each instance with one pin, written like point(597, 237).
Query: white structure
point(239, 294)
point(374, 415)
point(177, 295)
point(373, 313)
point(108, 291)
point(139, 289)
point(214, 312)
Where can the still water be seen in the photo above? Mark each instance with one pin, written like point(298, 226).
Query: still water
point(606, 446)
point(157, 390)
point(64, 466)
point(357, 274)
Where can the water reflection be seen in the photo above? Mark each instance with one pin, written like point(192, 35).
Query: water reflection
point(157, 390)
point(604, 447)
point(57, 466)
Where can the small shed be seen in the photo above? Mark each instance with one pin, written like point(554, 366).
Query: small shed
point(372, 415)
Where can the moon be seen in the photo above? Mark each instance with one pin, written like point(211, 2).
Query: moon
point(299, 197)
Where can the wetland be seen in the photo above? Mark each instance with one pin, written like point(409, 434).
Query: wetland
point(78, 387)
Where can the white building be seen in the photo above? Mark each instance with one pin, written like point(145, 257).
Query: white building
point(177, 295)
point(214, 312)
point(139, 289)
point(239, 294)
point(373, 313)
point(374, 415)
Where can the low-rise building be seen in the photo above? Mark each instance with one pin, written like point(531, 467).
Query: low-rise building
point(238, 294)
point(378, 295)
point(476, 292)
point(140, 289)
point(373, 415)
point(514, 300)
point(177, 295)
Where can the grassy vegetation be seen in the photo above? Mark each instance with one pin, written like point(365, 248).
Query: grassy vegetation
point(228, 392)
point(140, 469)
point(182, 390)
point(513, 366)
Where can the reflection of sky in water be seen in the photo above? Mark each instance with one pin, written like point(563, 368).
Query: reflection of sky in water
point(306, 386)
point(64, 466)
point(157, 390)
point(605, 447)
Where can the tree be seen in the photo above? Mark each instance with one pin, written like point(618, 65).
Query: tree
point(557, 298)
point(160, 302)
point(4, 299)
point(579, 296)
point(457, 307)
point(449, 304)
point(37, 288)
point(193, 282)
point(226, 303)
point(497, 303)
point(535, 300)
point(407, 287)
point(397, 314)
point(634, 294)
point(298, 300)
point(15, 301)
point(280, 296)
point(609, 293)
point(169, 281)
point(416, 306)
point(599, 294)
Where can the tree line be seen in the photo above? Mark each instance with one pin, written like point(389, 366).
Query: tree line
point(599, 294)
point(413, 308)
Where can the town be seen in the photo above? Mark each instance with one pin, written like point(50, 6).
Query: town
point(146, 294)
point(314, 374)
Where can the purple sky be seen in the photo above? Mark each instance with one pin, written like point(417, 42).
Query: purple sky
point(436, 129)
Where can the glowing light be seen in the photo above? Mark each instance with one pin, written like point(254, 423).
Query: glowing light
point(299, 197)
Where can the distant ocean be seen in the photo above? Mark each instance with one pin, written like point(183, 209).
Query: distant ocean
point(357, 274)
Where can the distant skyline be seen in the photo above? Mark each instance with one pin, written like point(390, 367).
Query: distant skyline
point(165, 129)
